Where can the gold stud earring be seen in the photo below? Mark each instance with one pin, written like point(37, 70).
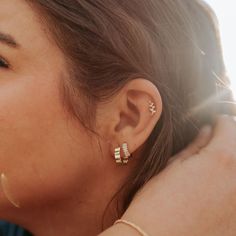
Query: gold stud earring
point(126, 153)
point(152, 107)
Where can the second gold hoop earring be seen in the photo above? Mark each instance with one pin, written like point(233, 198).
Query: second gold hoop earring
point(126, 153)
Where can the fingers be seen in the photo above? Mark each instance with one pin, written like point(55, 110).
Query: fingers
point(202, 139)
point(221, 139)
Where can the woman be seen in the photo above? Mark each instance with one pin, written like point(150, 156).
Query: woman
point(96, 96)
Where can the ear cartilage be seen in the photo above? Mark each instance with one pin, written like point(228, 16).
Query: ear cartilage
point(152, 108)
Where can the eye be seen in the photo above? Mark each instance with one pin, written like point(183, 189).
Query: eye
point(3, 64)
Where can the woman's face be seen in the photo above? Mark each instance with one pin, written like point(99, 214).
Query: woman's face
point(42, 154)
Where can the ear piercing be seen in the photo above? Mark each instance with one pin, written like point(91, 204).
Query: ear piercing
point(126, 156)
point(126, 153)
point(125, 149)
point(117, 155)
point(152, 107)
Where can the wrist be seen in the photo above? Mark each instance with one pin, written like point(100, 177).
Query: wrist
point(150, 221)
point(120, 230)
point(133, 226)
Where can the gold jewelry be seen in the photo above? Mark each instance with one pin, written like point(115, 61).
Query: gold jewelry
point(117, 155)
point(132, 225)
point(126, 156)
point(126, 153)
point(7, 192)
point(152, 107)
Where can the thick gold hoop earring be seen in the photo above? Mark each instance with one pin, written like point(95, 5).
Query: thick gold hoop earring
point(117, 155)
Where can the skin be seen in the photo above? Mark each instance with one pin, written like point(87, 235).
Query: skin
point(55, 177)
point(57, 180)
point(195, 194)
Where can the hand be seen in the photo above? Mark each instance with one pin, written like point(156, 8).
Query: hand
point(196, 193)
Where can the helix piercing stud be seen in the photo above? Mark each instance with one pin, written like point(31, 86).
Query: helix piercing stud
point(152, 108)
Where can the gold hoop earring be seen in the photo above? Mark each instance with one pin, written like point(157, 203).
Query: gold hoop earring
point(126, 153)
point(7, 192)
point(117, 155)
point(126, 156)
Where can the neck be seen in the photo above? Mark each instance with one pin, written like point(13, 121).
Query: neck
point(82, 214)
point(85, 218)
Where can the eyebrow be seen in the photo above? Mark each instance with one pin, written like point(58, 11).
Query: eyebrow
point(8, 40)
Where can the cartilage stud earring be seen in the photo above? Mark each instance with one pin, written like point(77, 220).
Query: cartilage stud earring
point(152, 108)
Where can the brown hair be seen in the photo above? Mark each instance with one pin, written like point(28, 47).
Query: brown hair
point(172, 43)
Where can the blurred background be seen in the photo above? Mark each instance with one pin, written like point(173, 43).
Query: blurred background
point(226, 13)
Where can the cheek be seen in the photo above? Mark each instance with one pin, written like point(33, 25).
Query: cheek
point(39, 154)
point(28, 112)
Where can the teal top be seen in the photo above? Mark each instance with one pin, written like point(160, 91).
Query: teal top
point(7, 229)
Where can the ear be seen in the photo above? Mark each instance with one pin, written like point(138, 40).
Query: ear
point(129, 117)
